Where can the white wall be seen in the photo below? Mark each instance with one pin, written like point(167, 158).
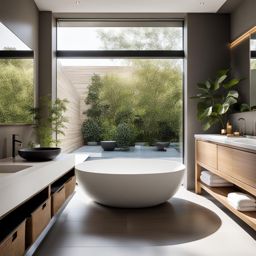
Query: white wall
point(73, 136)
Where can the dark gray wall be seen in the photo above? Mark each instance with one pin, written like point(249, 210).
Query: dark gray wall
point(243, 18)
point(47, 56)
point(250, 122)
point(240, 64)
point(21, 17)
point(47, 60)
point(206, 39)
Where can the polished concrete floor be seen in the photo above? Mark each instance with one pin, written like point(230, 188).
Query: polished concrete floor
point(187, 225)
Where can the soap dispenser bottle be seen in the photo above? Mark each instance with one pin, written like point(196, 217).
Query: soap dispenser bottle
point(229, 128)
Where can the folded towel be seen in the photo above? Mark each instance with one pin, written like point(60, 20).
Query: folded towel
point(217, 181)
point(242, 208)
point(214, 184)
point(242, 199)
point(211, 176)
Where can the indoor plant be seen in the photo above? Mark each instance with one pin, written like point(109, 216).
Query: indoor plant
point(50, 126)
point(216, 99)
point(91, 132)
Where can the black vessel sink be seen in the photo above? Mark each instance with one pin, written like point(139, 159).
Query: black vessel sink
point(39, 154)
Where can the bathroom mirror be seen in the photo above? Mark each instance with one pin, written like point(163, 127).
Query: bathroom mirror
point(253, 71)
point(16, 79)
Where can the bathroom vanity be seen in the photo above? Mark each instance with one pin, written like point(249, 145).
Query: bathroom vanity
point(233, 159)
point(32, 195)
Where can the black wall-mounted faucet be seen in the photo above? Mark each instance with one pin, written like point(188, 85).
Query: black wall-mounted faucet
point(14, 141)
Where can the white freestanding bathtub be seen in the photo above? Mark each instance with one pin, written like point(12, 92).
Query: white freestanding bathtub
point(130, 182)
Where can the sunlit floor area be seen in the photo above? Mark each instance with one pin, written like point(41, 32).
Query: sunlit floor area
point(187, 225)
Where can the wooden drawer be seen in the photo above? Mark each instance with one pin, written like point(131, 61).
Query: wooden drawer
point(238, 164)
point(58, 198)
point(38, 221)
point(70, 186)
point(14, 244)
point(207, 153)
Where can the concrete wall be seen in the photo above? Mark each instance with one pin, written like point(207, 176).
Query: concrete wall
point(73, 137)
point(206, 40)
point(21, 17)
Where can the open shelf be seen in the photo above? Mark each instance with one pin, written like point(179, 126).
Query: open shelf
point(220, 194)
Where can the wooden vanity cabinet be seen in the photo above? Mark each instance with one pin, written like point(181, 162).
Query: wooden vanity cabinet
point(235, 165)
point(207, 153)
point(14, 243)
point(37, 222)
point(238, 164)
point(22, 229)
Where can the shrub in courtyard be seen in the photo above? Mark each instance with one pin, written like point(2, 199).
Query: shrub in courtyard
point(91, 131)
point(124, 136)
point(108, 130)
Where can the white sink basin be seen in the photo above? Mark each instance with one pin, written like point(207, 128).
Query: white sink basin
point(13, 168)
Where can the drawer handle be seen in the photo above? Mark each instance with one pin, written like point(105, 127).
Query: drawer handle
point(43, 206)
point(14, 236)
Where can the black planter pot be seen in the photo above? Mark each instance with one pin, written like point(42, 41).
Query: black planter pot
point(161, 145)
point(108, 145)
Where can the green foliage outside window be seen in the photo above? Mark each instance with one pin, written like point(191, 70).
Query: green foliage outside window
point(16, 90)
point(150, 101)
point(147, 100)
point(253, 63)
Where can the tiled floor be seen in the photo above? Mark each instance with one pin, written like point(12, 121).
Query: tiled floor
point(188, 225)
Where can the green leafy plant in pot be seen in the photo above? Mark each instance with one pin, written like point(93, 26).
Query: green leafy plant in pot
point(91, 131)
point(216, 99)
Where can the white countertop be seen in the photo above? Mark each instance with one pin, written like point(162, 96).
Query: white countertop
point(15, 188)
point(238, 142)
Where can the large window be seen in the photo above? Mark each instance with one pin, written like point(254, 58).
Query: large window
point(16, 79)
point(134, 70)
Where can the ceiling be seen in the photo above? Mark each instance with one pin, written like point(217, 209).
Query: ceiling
point(130, 6)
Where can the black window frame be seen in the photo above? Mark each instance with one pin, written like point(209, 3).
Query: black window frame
point(142, 54)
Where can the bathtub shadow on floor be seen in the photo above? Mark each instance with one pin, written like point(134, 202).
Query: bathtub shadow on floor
point(174, 222)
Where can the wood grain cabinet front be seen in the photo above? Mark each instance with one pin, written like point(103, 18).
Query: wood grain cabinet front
point(37, 222)
point(70, 186)
point(207, 153)
point(14, 244)
point(238, 164)
point(58, 199)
